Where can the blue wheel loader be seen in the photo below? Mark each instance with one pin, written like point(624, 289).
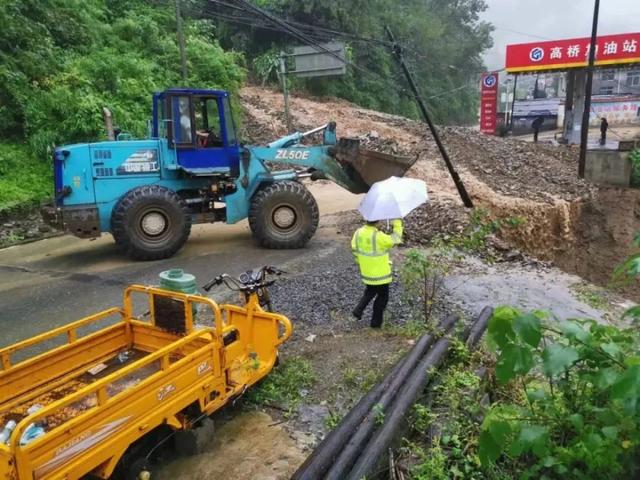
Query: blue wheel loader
point(193, 169)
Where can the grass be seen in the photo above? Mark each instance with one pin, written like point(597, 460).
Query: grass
point(284, 386)
point(332, 420)
point(412, 328)
point(450, 451)
point(24, 180)
point(591, 295)
point(362, 380)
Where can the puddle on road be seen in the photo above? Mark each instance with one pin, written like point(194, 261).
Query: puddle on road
point(247, 447)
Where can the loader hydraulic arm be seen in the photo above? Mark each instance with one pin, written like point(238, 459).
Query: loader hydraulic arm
point(329, 130)
point(342, 162)
point(318, 160)
point(322, 161)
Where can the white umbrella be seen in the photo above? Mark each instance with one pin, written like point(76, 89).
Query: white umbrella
point(393, 198)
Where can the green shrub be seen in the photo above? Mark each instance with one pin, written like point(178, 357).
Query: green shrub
point(24, 180)
point(635, 166)
point(285, 384)
point(577, 415)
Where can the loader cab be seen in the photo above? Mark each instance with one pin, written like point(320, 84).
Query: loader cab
point(198, 125)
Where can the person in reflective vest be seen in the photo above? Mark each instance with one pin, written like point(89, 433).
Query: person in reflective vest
point(371, 248)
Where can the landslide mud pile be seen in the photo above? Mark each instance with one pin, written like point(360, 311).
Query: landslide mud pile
point(516, 168)
point(583, 229)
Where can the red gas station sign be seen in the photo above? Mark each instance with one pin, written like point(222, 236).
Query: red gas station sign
point(573, 53)
point(488, 103)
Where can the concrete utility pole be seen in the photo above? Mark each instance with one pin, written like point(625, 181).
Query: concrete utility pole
point(513, 101)
point(285, 91)
point(183, 54)
point(462, 191)
point(584, 139)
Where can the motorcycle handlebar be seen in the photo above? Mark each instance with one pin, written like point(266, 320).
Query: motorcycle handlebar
point(243, 286)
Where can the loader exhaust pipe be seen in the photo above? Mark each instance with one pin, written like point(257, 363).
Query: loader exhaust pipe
point(108, 123)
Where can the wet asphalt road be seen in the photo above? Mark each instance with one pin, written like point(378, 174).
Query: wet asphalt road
point(56, 281)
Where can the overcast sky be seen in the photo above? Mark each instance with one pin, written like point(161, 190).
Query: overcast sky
point(524, 21)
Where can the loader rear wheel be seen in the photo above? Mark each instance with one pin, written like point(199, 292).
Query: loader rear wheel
point(283, 215)
point(150, 223)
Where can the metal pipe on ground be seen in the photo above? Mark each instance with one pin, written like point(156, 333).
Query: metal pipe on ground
point(479, 326)
point(317, 464)
point(367, 426)
point(475, 332)
point(322, 457)
point(383, 437)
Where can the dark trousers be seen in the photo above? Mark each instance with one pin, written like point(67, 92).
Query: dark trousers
point(603, 138)
point(381, 295)
point(535, 135)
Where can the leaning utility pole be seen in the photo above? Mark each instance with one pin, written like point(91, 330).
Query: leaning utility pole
point(462, 191)
point(183, 55)
point(584, 139)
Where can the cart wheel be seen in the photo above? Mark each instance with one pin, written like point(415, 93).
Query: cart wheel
point(195, 441)
point(139, 470)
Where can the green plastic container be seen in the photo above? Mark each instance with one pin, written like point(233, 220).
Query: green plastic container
point(169, 312)
point(177, 280)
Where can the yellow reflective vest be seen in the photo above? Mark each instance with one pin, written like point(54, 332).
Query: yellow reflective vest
point(371, 249)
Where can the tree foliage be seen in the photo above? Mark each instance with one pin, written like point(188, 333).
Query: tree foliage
point(443, 41)
point(61, 61)
point(579, 416)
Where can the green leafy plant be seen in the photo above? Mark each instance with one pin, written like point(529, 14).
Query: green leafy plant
point(332, 420)
point(634, 156)
point(285, 384)
point(421, 418)
point(378, 414)
point(628, 270)
point(449, 450)
point(267, 65)
point(422, 275)
point(575, 411)
point(24, 179)
point(361, 380)
point(474, 238)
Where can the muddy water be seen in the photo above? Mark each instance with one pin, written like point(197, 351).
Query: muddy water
point(527, 287)
point(249, 446)
point(588, 237)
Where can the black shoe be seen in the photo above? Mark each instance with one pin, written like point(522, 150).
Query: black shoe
point(357, 314)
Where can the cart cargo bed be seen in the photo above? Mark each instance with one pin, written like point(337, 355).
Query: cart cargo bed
point(97, 393)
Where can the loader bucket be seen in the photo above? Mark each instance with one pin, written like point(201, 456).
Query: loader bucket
point(366, 167)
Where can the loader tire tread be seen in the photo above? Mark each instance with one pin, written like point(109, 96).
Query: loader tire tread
point(294, 196)
point(126, 223)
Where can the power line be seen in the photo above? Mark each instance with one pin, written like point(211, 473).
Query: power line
point(522, 33)
point(304, 38)
point(285, 26)
point(313, 28)
point(322, 33)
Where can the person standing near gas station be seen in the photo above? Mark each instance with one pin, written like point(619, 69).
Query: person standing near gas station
point(604, 126)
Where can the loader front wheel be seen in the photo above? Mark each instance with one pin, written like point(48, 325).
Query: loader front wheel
point(283, 215)
point(150, 223)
